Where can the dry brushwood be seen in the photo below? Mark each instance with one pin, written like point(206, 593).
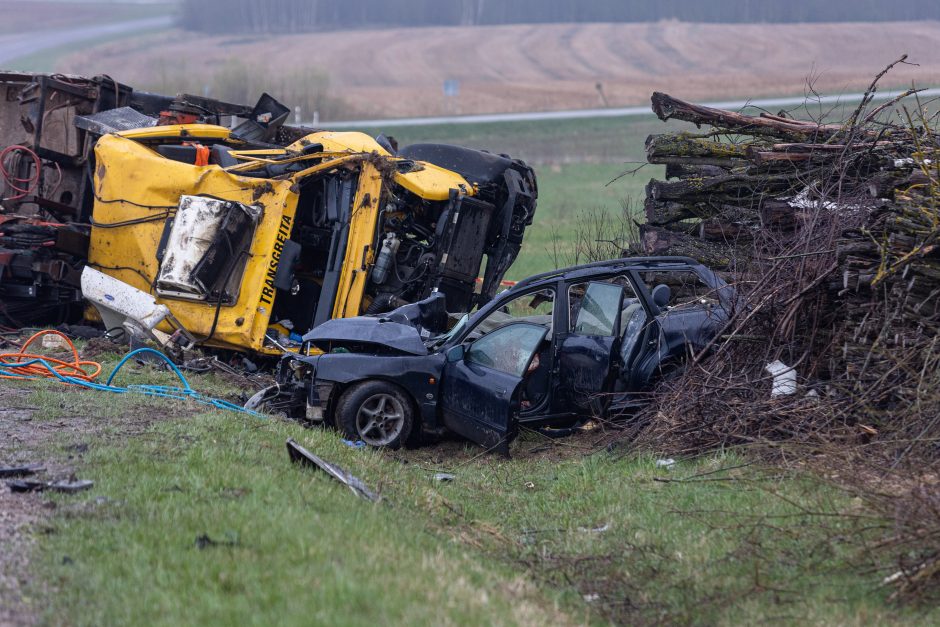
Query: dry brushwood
point(832, 231)
point(844, 283)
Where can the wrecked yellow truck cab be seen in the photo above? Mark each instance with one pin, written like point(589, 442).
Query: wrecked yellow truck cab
point(247, 249)
point(191, 221)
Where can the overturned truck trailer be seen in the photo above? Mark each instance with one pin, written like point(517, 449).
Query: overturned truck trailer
point(191, 220)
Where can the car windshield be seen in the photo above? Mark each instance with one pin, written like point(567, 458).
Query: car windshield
point(440, 340)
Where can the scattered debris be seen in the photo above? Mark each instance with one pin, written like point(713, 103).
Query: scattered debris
point(71, 487)
point(299, 454)
point(55, 342)
point(81, 331)
point(784, 382)
point(67, 487)
point(205, 542)
point(599, 529)
point(19, 471)
point(259, 401)
point(26, 485)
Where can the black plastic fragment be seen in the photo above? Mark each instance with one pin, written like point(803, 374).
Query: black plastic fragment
point(205, 542)
point(71, 487)
point(300, 455)
point(19, 471)
point(31, 485)
point(26, 485)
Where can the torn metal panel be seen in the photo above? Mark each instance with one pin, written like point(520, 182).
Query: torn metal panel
point(346, 226)
point(137, 191)
point(114, 121)
point(300, 455)
point(368, 332)
point(122, 306)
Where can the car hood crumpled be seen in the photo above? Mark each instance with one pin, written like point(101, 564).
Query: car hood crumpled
point(368, 330)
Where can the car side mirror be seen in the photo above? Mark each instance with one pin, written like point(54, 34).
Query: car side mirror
point(454, 353)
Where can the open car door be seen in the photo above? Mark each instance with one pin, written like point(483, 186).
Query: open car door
point(481, 384)
point(589, 354)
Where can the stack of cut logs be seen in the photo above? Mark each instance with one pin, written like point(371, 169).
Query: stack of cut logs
point(753, 177)
point(832, 233)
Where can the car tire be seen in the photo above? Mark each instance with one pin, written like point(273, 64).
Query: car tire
point(377, 413)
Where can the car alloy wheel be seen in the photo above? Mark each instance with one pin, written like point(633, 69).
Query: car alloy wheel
point(380, 419)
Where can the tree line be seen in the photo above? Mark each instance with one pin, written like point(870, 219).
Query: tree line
point(294, 16)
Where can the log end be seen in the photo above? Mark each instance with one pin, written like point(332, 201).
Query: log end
point(662, 105)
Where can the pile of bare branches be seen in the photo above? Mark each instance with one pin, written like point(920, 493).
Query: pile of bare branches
point(830, 231)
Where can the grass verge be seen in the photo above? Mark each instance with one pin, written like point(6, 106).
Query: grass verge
point(197, 517)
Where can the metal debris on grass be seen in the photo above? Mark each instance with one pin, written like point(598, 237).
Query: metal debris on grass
point(67, 487)
point(19, 471)
point(299, 454)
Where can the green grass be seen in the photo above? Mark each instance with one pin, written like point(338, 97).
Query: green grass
point(568, 196)
point(537, 539)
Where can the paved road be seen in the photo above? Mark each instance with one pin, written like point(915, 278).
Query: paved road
point(535, 116)
point(21, 44)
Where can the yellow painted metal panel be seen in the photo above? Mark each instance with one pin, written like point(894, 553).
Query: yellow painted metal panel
point(180, 131)
point(136, 190)
point(360, 244)
point(343, 141)
point(433, 183)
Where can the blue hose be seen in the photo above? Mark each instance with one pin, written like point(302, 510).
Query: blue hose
point(186, 392)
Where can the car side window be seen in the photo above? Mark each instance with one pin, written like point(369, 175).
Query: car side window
point(535, 307)
point(600, 307)
point(508, 349)
point(593, 306)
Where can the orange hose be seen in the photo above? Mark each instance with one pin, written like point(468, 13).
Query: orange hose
point(77, 368)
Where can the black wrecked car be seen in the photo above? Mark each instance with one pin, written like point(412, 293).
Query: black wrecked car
point(552, 351)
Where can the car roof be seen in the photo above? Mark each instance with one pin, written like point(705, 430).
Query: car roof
point(603, 267)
